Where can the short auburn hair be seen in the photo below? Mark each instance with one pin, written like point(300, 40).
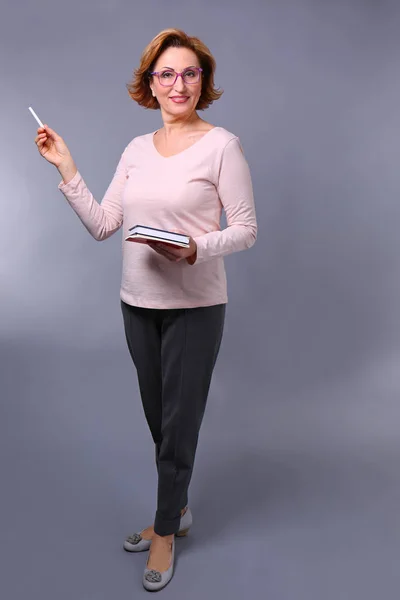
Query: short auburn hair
point(139, 88)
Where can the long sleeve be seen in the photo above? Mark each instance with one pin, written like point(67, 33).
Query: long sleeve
point(235, 191)
point(101, 220)
point(185, 192)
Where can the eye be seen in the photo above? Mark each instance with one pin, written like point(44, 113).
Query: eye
point(190, 73)
point(166, 75)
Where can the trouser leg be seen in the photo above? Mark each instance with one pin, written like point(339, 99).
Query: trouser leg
point(143, 336)
point(190, 342)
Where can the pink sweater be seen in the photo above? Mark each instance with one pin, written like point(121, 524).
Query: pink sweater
point(185, 193)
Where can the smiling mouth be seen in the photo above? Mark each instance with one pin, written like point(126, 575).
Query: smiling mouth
point(179, 98)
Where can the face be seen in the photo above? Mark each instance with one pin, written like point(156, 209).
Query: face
point(180, 99)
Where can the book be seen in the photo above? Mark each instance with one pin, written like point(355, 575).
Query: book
point(143, 234)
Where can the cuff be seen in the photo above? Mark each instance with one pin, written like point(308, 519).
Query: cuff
point(71, 184)
point(200, 255)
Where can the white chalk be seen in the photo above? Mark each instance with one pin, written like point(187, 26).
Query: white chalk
point(35, 116)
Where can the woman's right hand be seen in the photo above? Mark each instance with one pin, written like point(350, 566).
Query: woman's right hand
point(52, 147)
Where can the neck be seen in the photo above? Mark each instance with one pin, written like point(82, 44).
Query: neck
point(174, 124)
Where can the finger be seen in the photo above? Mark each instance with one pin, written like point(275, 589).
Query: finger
point(156, 246)
point(52, 132)
point(162, 249)
point(170, 249)
point(172, 256)
point(164, 253)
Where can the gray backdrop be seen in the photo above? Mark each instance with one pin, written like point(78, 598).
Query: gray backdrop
point(296, 486)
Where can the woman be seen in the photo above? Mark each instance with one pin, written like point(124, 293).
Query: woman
point(178, 178)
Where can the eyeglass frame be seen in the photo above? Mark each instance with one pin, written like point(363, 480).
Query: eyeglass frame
point(199, 69)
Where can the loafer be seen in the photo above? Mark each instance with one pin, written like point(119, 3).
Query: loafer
point(135, 542)
point(156, 580)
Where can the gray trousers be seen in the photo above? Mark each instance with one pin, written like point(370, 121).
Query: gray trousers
point(174, 352)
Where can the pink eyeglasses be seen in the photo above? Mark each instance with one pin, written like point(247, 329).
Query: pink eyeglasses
point(168, 77)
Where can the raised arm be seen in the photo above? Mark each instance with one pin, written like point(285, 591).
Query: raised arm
point(101, 220)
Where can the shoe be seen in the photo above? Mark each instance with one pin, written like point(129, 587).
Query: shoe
point(156, 580)
point(135, 542)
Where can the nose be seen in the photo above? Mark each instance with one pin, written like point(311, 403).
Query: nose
point(179, 84)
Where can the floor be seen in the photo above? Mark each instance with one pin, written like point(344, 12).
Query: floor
point(295, 495)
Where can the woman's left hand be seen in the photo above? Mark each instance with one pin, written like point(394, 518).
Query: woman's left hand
point(175, 254)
